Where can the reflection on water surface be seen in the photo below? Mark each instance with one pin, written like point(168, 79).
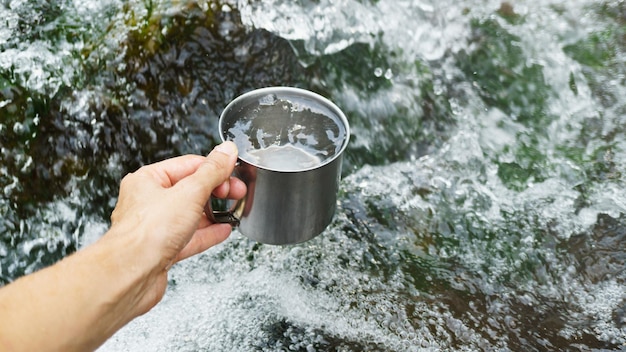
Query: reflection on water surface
point(482, 205)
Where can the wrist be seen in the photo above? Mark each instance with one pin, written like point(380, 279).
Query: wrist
point(134, 267)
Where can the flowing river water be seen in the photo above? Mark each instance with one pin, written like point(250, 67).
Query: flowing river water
point(483, 200)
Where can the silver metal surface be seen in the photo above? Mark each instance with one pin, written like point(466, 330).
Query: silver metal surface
point(286, 207)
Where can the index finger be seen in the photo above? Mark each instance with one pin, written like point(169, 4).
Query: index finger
point(211, 173)
point(168, 172)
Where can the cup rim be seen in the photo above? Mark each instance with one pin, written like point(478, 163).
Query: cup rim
point(259, 92)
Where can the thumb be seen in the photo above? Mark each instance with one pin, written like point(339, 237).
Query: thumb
point(212, 172)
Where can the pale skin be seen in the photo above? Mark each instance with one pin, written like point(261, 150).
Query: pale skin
point(78, 303)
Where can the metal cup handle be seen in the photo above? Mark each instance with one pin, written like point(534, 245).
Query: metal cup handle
point(231, 216)
point(221, 216)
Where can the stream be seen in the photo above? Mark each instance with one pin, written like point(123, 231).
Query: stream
point(482, 205)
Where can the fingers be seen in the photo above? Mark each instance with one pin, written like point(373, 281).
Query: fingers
point(203, 239)
point(210, 173)
point(169, 172)
point(233, 188)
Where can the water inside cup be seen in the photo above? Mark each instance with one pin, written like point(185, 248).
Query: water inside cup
point(285, 131)
point(283, 158)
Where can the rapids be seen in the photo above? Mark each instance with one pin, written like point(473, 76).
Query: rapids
point(483, 202)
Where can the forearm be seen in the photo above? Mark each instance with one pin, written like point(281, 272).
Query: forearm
point(76, 304)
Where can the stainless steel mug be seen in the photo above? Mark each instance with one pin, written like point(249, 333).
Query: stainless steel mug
point(290, 144)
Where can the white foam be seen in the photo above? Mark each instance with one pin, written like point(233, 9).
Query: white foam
point(239, 295)
point(44, 65)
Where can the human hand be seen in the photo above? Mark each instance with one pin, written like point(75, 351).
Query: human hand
point(162, 206)
point(79, 302)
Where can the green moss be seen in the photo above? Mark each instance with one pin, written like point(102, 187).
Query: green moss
point(355, 66)
point(601, 165)
point(601, 52)
point(598, 50)
point(514, 176)
point(530, 165)
point(497, 66)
